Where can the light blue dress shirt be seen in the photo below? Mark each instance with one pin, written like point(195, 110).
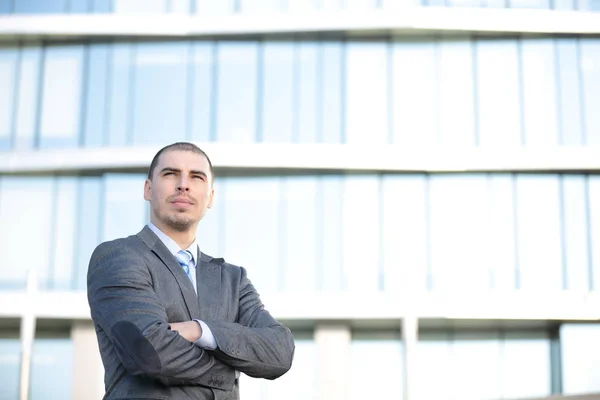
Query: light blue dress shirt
point(207, 340)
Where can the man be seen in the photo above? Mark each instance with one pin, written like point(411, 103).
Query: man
point(172, 322)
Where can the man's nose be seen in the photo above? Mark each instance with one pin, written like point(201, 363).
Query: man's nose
point(183, 184)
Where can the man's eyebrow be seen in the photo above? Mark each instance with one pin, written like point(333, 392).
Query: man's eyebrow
point(192, 172)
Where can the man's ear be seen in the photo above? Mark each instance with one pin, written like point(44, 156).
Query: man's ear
point(147, 189)
point(212, 197)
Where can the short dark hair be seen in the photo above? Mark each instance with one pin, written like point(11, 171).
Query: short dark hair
point(181, 146)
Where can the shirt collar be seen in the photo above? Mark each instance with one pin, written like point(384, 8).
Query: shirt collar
point(171, 245)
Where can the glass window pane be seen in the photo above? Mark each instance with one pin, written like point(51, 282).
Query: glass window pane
point(529, 4)
point(27, 97)
point(160, 94)
point(40, 6)
point(212, 7)
point(330, 96)
point(525, 354)
point(258, 6)
point(237, 95)
point(252, 239)
point(367, 93)
point(79, 6)
point(139, 6)
point(330, 239)
point(569, 86)
point(575, 233)
point(119, 108)
point(51, 369)
point(10, 350)
point(307, 87)
point(95, 121)
point(64, 240)
point(539, 239)
point(8, 83)
point(388, 352)
point(102, 6)
point(457, 113)
point(210, 229)
point(501, 256)
point(414, 92)
point(294, 6)
point(594, 221)
point(459, 209)
point(590, 67)
point(89, 211)
point(433, 361)
point(179, 6)
point(278, 92)
point(360, 230)
point(203, 91)
point(361, 4)
point(539, 92)
point(124, 205)
point(300, 232)
point(405, 232)
point(61, 96)
point(26, 205)
point(5, 7)
point(497, 86)
point(580, 358)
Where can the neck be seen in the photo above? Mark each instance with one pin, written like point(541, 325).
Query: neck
point(183, 239)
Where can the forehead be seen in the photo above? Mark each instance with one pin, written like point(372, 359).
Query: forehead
point(183, 160)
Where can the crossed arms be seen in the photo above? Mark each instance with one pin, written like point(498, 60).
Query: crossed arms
point(128, 310)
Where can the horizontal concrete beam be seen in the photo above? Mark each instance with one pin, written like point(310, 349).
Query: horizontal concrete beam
point(314, 158)
point(400, 21)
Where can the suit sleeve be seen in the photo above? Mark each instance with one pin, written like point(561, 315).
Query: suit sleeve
point(257, 344)
point(125, 306)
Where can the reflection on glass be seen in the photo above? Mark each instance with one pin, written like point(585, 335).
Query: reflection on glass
point(61, 96)
point(10, 350)
point(95, 121)
point(575, 215)
point(119, 106)
point(63, 234)
point(330, 95)
point(594, 221)
point(89, 211)
point(211, 7)
point(306, 128)
point(51, 369)
point(160, 93)
point(8, 83)
point(26, 206)
point(237, 91)
point(330, 233)
point(569, 89)
point(278, 59)
point(580, 358)
point(40, 6)
point(590, 70)
point(202, 82)
point(139, 6)
point(124, 207)
point(27, 97)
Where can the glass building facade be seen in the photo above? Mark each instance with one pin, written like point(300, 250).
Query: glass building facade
point(304, 233)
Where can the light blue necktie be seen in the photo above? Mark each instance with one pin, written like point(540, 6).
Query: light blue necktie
point(184, 258)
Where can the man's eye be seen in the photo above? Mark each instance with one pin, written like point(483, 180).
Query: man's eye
point(169, 173)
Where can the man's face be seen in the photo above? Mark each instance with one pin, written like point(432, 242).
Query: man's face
point(180, 191)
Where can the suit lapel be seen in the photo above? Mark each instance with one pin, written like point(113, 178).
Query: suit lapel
point(208, 278)
point(161, 251)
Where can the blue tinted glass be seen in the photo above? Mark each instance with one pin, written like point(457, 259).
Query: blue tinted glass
point(211, 7)
point(28, 97)
point(529, 3)
point(160, 94)
point(575, 232)
point(89, 202)
point(119, 106)
point(367, 108)
point(40, 6)
point(307, 89)
point(593, 202)
point(538, 66)
point(252, 6)
point(203, 88)
point(5, 7)
point(237, 84)
point(64, 237)
point(80, 6)
point(51, 369)
point(330, 96)
point(96, 117)
point(10, 362)
point(8, 83)
point(179, 6)
point(569, 88)
point(330, 233)
point(25, 202)
point(102, 6)
point(124, 208)
point(140, 6)
point(539, 236)
point(456, 103)
point(277, 92)
point(61, 96)
point(590, 67)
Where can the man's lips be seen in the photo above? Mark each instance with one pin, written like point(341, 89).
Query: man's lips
point(182, 201)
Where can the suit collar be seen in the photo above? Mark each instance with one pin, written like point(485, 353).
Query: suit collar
point(163, 253)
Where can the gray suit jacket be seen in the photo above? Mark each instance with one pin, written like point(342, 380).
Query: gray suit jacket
point(136, 287)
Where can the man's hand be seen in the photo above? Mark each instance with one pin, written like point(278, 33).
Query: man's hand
point(190, 330)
